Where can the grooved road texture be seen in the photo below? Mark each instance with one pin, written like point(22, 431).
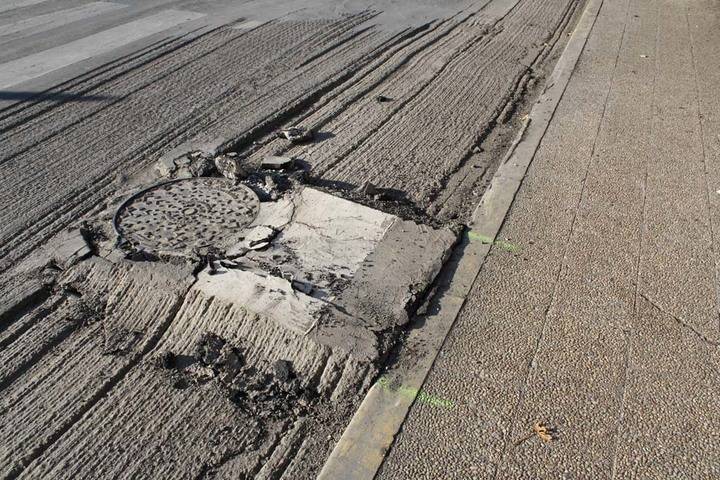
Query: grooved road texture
point(441, 93)
point(605, 324)
point(449, 79)
point(61, 160)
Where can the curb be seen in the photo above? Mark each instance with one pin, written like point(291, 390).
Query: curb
point(364, 444)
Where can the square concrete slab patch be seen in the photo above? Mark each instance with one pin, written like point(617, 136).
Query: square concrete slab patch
point(330, 265)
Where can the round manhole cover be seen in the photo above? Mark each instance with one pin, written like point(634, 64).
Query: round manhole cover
point(181, 215)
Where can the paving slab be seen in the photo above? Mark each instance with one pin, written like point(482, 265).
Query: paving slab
point(603, 323)
point(337, 270)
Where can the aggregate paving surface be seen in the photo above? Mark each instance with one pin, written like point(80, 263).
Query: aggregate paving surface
point(105, 369)
point(603, 323)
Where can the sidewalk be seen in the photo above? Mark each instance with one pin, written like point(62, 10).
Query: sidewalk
point(605, 324)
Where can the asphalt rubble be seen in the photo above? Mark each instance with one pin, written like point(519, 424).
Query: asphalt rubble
point(260, 388)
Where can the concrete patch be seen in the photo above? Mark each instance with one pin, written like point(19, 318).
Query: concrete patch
point(327, 238)
point(336, 268)
point(265, 295)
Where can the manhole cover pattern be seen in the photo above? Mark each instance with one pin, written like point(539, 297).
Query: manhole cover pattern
point(181, 215)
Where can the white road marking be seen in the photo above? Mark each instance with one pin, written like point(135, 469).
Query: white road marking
point(247, 25)
point(12, 5)
point(52, 20)
point(41, 63)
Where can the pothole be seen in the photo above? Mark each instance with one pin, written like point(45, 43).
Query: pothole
point(181, 216)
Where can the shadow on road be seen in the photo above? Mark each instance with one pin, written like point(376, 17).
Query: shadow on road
point(53, 96)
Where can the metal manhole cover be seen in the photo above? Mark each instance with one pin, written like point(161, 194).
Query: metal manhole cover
point(184, 214)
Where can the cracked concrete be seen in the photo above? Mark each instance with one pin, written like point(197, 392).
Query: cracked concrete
point(372, 265)
point(130, 312)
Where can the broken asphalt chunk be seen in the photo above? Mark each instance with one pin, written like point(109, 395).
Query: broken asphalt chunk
point(167, 360)
point(369, 189)
point(229, 363)
point(237, 250)
point(68, 248)
point(166, 167)
point(208, 348)
point(277, 163)
point(302, 286)
point(283, 370)
point(257, 238)
point(260, 237)
point(296, 134)
point(201, 166)
point(230, 167)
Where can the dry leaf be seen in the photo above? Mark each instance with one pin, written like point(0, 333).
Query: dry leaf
point(543, 431)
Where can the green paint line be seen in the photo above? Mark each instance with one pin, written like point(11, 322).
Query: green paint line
point(419, 395)
point(510, 247)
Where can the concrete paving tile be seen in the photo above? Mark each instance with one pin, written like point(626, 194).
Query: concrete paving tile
point(563, 332)
point(576, 383)
point(678, 266)
point(484, 364)
point(671, 403)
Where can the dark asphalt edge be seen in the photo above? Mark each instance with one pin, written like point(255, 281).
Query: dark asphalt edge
point(361, 450)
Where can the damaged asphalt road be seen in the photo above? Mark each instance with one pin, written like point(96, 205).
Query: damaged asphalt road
point(285, 309)
point(238, 248)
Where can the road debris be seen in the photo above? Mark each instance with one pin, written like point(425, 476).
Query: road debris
point(283, 370)
point(260, 237)
point(237, 250)
point(230, 167)
point(165, 167)
point(277, 163)
point(167, 360)
point(201, 165)
point(272, 187)
point(383, 99)
point(368, 188)
point(302, 286)
point(68, 248)
point(296, 134)
point(261, 388)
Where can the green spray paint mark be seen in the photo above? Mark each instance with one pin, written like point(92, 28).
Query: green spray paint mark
point(510, 247)
point(419, 395)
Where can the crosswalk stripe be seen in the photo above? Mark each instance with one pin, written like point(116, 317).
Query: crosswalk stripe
point(12, 5)
point(52, 20)
point(41, 63)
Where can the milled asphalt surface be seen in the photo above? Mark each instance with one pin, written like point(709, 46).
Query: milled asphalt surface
point(71, 149)
point(605, 324)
